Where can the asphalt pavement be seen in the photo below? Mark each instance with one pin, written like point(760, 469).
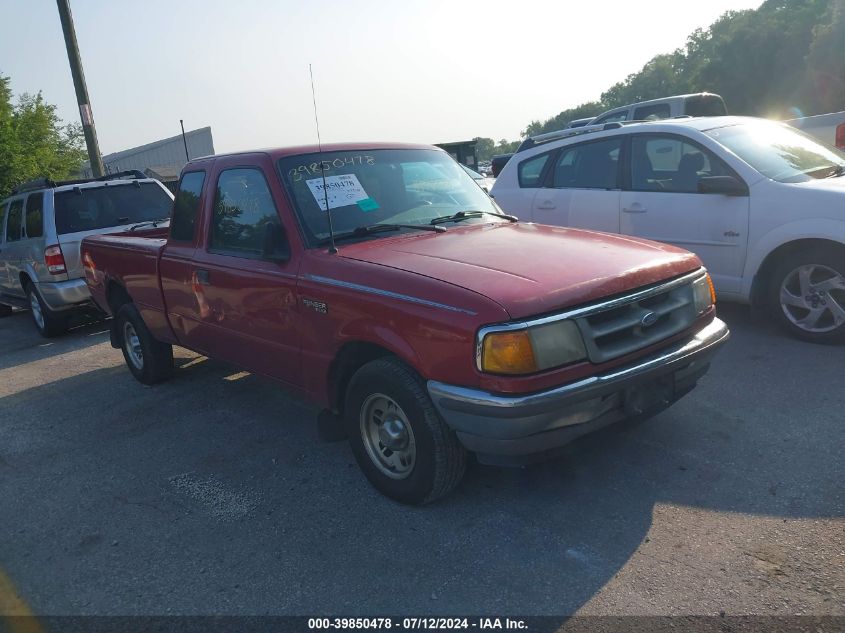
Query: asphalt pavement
point(211, 494)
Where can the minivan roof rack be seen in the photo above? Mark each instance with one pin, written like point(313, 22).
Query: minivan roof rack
point(48, 183)
point(539, 139)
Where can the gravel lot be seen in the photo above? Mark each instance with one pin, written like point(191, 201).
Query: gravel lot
point(212, 494)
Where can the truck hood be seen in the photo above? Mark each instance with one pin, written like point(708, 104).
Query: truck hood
point(529, 269)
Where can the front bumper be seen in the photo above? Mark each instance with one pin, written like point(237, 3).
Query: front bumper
point(505, 429)
point(65, 295)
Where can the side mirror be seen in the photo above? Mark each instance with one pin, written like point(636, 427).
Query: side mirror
point(275, 245)
point(725, 185)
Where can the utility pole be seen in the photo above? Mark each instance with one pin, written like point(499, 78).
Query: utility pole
point(81, 91)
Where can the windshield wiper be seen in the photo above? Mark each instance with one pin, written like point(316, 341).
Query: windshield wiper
point(153, 223)
point(463, 215)
point(370, 229)
point(839, 170)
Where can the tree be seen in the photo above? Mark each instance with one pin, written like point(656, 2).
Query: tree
point(33, 141)
point(787, 55)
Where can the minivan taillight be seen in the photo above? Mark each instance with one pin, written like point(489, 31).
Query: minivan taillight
point(55, 260)
point(840, 136)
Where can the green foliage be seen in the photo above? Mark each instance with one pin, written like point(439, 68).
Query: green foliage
point(785, 57)
point(487, 147)
point(33, 141)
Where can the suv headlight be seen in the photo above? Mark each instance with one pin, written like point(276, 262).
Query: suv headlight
point(703, 293)
point(530, 349)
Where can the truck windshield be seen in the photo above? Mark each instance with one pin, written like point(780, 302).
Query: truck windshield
point(385, 186)
point(91, 208)
point(780, 152)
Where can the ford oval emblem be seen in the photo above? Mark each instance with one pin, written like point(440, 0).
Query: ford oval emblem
point(649, 319)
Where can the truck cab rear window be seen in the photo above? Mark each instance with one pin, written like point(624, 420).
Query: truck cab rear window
point(185, 206)
point(92, 208)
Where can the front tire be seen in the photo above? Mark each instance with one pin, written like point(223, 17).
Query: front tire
point(808, 295)
point(399, 440)
point(46, 322)
point(149, 360)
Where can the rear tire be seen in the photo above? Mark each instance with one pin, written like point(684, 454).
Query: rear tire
point(149, 360)
point(399, 440)
point(48, 323)
point(807, 295)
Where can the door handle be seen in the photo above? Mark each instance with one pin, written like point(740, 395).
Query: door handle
point(547, 204)
point(202, 277)
point(635, 208)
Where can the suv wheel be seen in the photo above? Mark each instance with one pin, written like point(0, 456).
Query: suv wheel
point(149, 360)
point(399, 440)
point(808, 294)
point(46, 322)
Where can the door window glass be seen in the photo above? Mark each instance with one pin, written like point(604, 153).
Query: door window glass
point(35, 215)
point(185, 207)
point(663, 163)
point(589, 165)
point(531, 170)
point(13, 225)
point(243, 206)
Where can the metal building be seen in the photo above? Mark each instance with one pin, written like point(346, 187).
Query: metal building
point(164, 156)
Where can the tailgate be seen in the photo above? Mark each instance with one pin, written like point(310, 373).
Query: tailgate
point(70, 243)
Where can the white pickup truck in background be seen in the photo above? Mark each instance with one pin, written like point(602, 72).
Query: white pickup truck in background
point(828, 128)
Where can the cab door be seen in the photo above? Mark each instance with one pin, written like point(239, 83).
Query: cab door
point(582, 187)
point(245, 298)
point(662, 203)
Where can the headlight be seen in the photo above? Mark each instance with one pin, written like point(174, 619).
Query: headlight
point(704, 294)
point(531, 349)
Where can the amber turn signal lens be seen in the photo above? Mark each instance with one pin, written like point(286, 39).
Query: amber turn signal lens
point(508, 353)
point(712, 289)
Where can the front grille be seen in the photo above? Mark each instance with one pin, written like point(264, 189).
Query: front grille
point(626, 328)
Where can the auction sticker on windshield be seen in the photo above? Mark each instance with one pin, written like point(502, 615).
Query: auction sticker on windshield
point(341, 191)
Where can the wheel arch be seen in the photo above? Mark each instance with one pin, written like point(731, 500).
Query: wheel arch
point(762, 278)
point(350, 358)
point(116, 297)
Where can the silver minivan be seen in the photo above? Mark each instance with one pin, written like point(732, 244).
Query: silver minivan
point(42, 224)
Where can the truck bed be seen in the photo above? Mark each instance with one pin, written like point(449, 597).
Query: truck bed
point(132, 260)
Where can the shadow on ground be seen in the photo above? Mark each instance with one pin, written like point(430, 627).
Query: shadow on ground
point(211, 494)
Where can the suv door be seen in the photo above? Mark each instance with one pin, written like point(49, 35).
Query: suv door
point(12, 248)
point(663, 204)
point(4, 272)
point(246, 303)
point(582, 186)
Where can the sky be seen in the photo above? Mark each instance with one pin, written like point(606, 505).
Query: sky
point(428, 71)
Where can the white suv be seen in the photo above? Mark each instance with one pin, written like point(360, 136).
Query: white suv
point(762, 204)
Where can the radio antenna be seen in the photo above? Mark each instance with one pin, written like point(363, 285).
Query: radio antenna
point(332, 248)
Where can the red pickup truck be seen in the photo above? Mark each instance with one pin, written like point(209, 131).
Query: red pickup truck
point(384, 284)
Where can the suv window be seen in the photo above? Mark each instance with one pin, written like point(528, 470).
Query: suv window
point(243, 205)
point(591, 165)
point(666, 163)
point(612, 117)
point(531, 170)
point(652, 112)
point(90, 208)
point(705, 105)
point(35, 215)
point(13, 225)
point(185, 206)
